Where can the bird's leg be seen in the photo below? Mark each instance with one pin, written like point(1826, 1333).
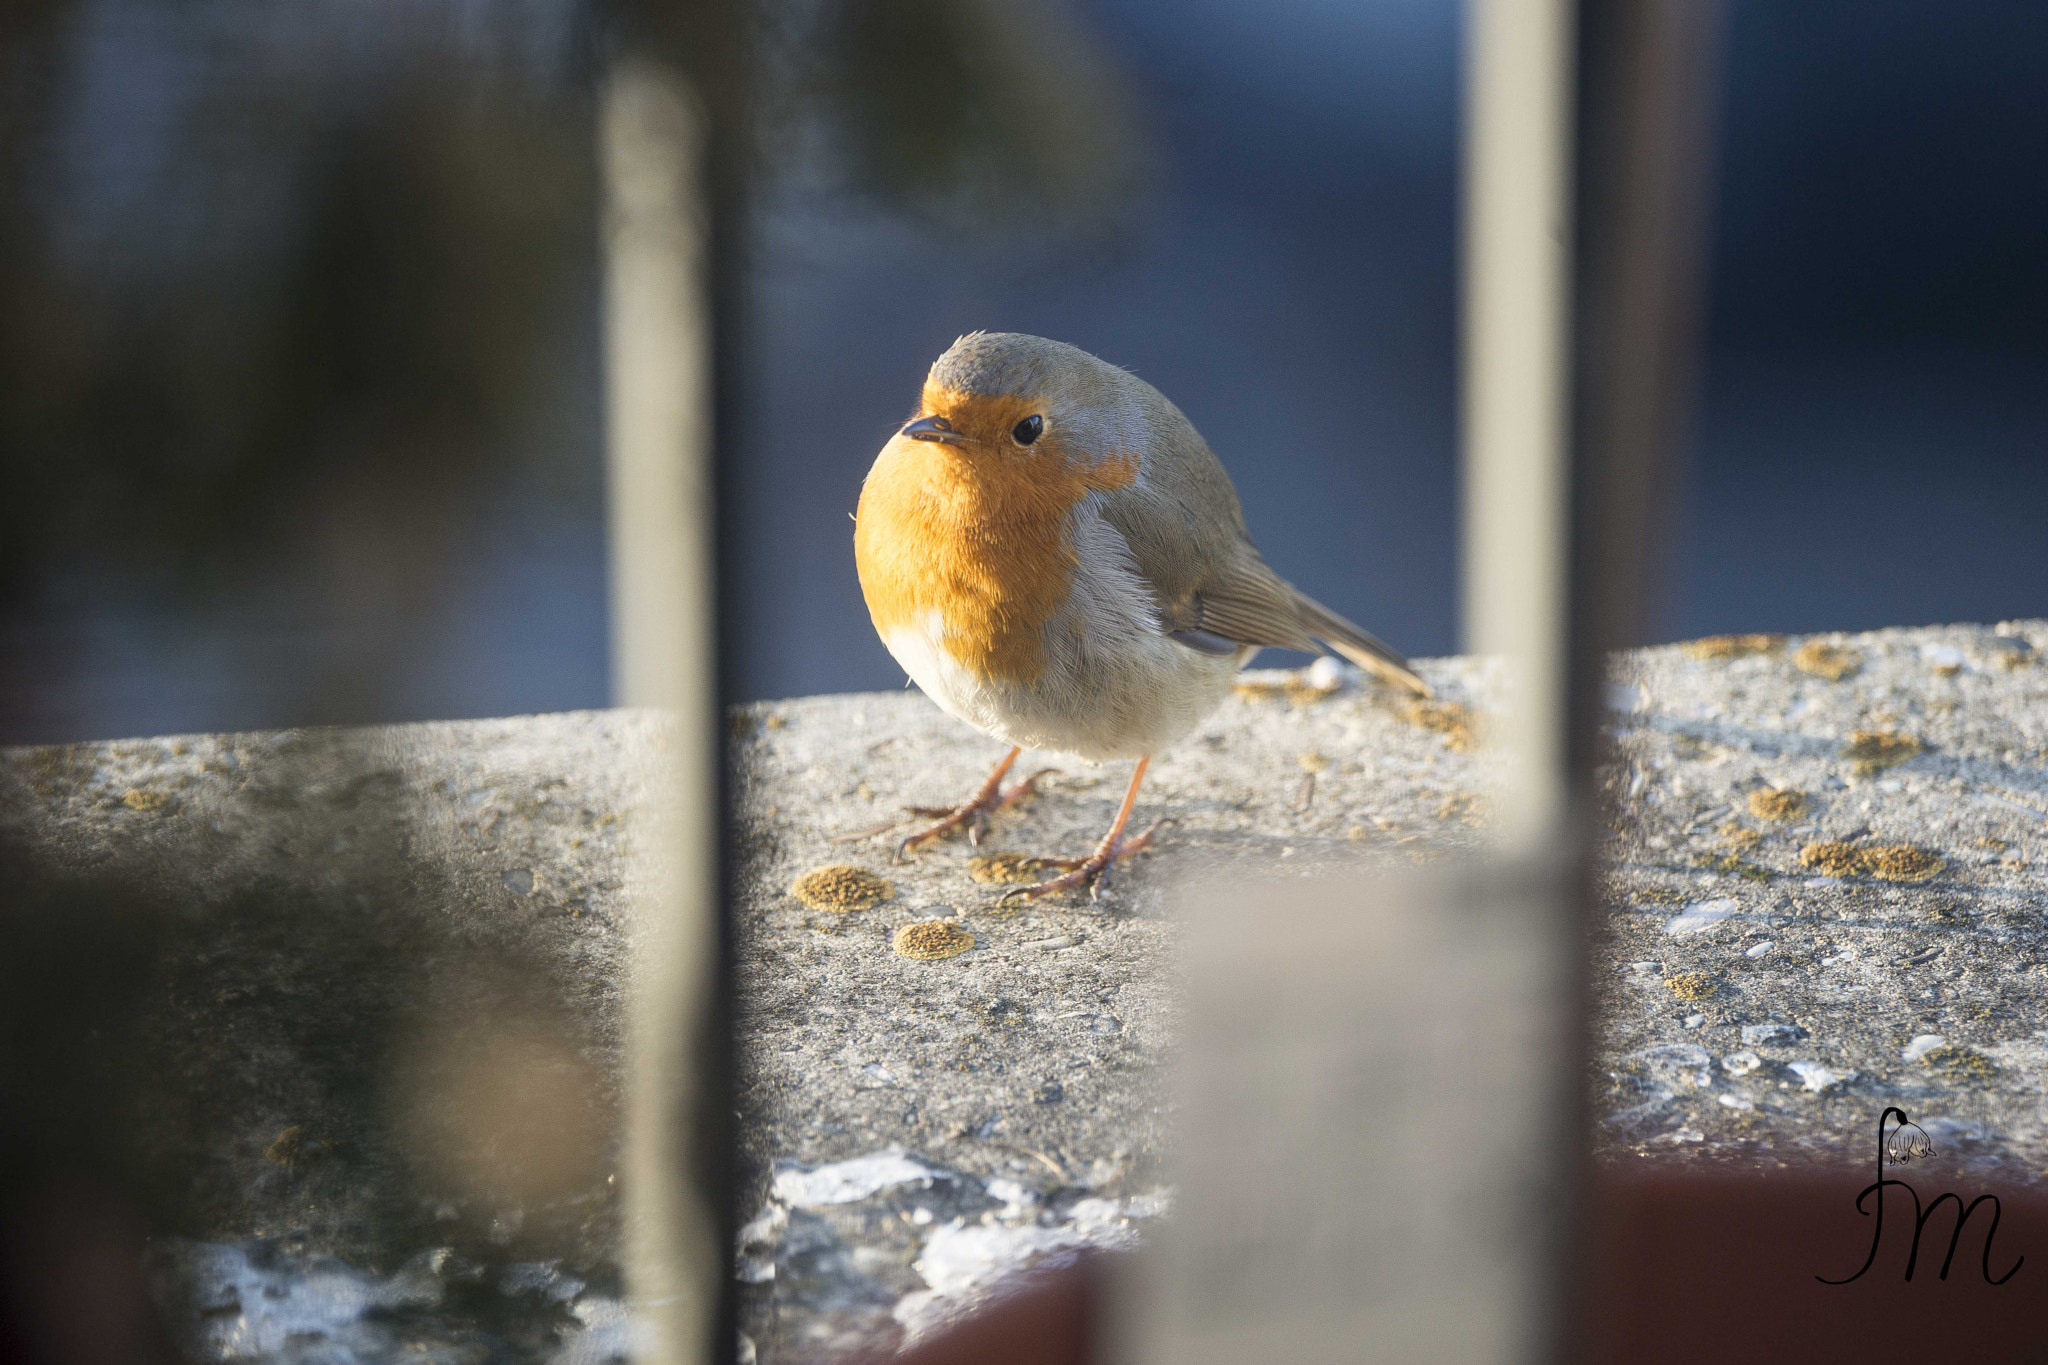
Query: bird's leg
point(974, 814)
point(1093, 870)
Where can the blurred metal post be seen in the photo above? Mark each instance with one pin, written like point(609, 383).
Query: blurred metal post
point(1516, 339)
point(657, 338)
point(1381, 1133)
point(1582, 282)
point(1648, 72)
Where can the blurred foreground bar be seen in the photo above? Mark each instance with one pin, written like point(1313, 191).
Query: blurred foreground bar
point(659, 425)
point(1371, 1122)
point(1382, 1143)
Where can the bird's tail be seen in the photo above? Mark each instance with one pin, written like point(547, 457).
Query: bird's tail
point(1357, 644)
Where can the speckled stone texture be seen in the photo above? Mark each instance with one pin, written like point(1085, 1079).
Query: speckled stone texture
point(341, 948)
point(916, 1130)
point(1758, 1010)
point(1026, 1070)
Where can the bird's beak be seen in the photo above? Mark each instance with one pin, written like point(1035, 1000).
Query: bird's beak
point(934, 429)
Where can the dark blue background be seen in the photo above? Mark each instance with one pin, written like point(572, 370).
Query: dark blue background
point(1872, 437)
point(1872, 442)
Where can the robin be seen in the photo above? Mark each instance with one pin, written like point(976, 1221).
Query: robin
point(1056, 557)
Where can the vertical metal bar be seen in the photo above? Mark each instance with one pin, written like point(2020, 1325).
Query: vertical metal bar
point(1646, 71)
point(1585, 181)
point(657, 339)
point(1517, 260)
point(1647, 76)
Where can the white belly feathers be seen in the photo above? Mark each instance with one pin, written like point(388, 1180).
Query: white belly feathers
point(1114, 684)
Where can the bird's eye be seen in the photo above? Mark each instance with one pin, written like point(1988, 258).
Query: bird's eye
point(1026, 431)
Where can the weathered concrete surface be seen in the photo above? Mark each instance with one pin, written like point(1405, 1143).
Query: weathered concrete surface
point(1756, 1009)
point(362, 1050)
point(914, 1129)
point(1025, 1070)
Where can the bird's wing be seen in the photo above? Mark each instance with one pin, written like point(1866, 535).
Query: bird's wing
point(1357, 644)
point(1255, 606)
point(1187, 533)
point(1215, 592)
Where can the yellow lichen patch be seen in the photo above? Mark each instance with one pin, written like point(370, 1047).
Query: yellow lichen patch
point(1904, 863)
point(1873, 750)
point(1823, 660)
point(1453, 720)
point(1691, 985)
point(1296, 688)
point(930, 940)
point(1017, 869)
point(1738, 836)
point(841, 888)
point(1887, 862)
point(1733, 646)
point(136, 798)
point(1312, 762)
point(1833, 860)
point(1463, 806)
point(1773, 803)
point(1960, 1063)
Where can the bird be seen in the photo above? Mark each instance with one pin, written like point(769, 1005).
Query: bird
point(1055, 556)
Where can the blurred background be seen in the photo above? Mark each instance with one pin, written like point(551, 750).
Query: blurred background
point(299, 386)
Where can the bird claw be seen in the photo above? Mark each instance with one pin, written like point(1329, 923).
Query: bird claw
point(973, 814)
point(1092, 871)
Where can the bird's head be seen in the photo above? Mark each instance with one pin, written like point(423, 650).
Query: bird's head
point(1004, 396)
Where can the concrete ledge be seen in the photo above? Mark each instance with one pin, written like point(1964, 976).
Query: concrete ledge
point(327, 910)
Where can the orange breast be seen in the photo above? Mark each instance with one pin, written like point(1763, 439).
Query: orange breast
point(975, 534)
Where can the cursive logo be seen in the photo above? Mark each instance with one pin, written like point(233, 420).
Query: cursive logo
point(1908, 1142)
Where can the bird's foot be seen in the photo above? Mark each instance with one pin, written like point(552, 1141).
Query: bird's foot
point(1092, 871)
point(973, 815)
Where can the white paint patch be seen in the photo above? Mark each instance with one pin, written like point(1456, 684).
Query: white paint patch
point(965, 1262)
point(253, 1301)
point(1699, 918)
point(1818, 1077)
point(252, 1311)
point(843, 1182)
point(1921, 1045)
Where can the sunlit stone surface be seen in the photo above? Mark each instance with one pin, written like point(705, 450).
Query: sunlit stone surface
point(1824, 889)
